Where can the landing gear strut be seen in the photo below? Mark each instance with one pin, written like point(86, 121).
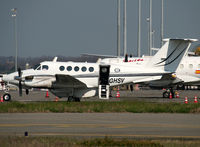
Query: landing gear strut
point(73, 99)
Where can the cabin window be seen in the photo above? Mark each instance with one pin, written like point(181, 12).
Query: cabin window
point(69, 68)
point(62, 68)
point(190, 66)
point(91, 69)
point(181, 66)
point(45, 67)
point(76, 68)
point(83, 68)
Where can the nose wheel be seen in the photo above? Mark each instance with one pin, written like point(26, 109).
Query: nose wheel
point(6, 97)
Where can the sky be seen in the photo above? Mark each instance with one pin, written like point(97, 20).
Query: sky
point(73, 27)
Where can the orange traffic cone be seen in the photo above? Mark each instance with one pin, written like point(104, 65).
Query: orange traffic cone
point(177, 94)
point(47, 94)
point(195, 99)
point(170, 95)
point(118, 94)
point(186, 100)
point(1, 99)
point(56, 99)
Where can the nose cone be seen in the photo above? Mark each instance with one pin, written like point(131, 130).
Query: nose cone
point(6, 78)
point(9, 77)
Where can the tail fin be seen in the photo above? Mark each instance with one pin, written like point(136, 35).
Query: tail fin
point(171, 54)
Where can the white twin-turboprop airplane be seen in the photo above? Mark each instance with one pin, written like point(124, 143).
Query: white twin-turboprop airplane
point(187, 73)
point(76, 80)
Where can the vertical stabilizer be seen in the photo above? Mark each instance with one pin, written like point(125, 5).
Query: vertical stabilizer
point(171, 53)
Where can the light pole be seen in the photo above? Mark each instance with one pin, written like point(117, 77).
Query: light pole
point(125, 30)
point(14, 15)
point(153, 38)
point(162, 22)
point(150, 27)
point(139, 27)
point(118, 28)
point(148, 30)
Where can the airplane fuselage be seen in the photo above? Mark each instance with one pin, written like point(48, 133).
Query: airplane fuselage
point(188, 70)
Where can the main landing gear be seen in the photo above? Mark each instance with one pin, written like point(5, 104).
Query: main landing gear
point(73, 99)
point(166, 94)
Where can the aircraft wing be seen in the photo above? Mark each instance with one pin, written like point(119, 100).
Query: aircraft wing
point(161, 77)
point(68, 81)
point(140, 81)
point(99, 56)
point(189, 79)
point(161, 81)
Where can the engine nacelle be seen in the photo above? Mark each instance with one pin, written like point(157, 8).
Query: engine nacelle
point(39, 82)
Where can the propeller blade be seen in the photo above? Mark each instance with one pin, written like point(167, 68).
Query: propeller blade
point(19, 72)
point(20, 81)
point(20, 88)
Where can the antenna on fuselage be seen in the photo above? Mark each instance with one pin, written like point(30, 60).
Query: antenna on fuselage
point(55, 59)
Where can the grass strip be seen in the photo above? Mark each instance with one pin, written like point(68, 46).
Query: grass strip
point(103, 107)
point(62, 141)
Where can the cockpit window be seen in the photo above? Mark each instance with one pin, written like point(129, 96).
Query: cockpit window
point(37, 67)
point(45, 67)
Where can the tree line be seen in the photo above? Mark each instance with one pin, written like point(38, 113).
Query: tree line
point(7, 64)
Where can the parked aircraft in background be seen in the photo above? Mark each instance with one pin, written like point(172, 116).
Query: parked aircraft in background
point(187, 73)
point(76, 79)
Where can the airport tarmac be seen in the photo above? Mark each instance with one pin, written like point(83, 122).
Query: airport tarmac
point(141, 95)
point(128, 125)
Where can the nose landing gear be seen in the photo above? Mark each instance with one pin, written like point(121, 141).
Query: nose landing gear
point(6, 97)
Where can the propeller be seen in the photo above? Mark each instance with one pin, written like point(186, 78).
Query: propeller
point(20, 81)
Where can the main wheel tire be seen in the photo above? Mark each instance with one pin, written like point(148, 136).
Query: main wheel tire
point(181, 87)
point(77, 99)
point(27, 91)
point(71, 99)
point(165, 94)
point(7, 97)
